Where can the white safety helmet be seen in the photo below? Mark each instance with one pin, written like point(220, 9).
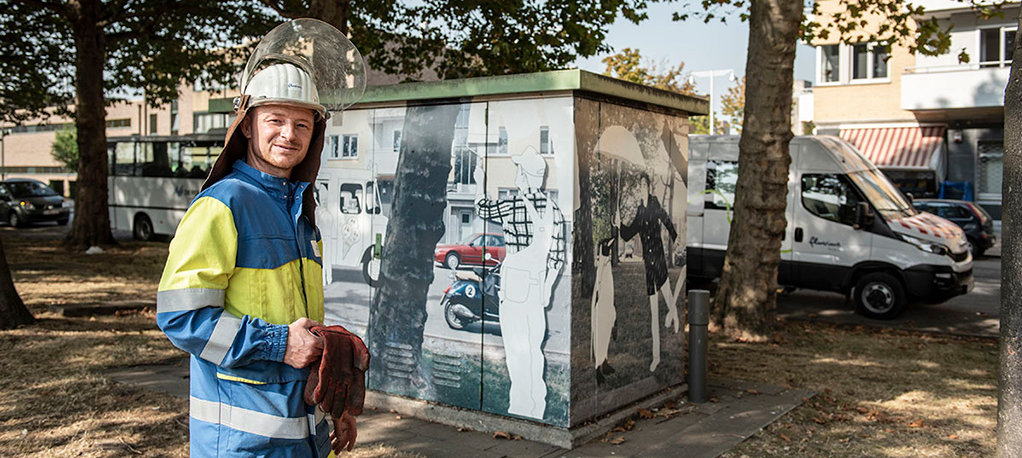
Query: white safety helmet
point(284, 84)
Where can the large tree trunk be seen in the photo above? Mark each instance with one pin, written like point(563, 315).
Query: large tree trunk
point(1009, 400)
point(398, 315)
point(746, 299)
point(13, 312)
point(92, 218)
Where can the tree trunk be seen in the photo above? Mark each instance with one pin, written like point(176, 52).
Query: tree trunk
point(1009, 400)
point(746, 299)
point(398, 315)
point(92, 217)
point(13, 312)
point(332, 12)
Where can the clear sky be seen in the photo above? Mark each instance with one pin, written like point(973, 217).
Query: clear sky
point(712, 46)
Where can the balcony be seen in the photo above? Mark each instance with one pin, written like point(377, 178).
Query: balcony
point(953, 87)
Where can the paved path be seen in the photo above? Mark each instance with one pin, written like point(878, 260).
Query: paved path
point(690, 430)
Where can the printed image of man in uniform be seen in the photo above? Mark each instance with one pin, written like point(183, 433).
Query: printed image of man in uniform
point(534, 235)
point(649, 219)
point(243, 282)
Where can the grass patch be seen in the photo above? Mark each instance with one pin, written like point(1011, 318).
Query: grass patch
point(880, 392)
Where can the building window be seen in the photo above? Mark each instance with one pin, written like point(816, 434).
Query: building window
point(206, 122)
point(173, 118)
point(465, 162)
point(996, 46)
point(350, 146)
point(869, 61)
point(990, 170)
point(152, 124)
point(397, 140)
point(544, 140)
point(830, 63)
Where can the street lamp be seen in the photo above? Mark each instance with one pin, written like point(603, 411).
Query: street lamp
point(712, 74)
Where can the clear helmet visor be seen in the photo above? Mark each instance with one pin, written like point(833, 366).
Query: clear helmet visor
point(331, 60)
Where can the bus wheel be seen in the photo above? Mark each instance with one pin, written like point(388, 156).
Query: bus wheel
point(371, 268)
point(879, 295)
point(143, 228)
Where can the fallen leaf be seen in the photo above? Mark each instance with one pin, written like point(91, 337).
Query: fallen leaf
point(502, 435)
point(643, 413)
point(785, 437)
point(953, 436)
point(916, 424)
point(820, 420)
point(844, 440)
point(618, 440)
point(713, 400)
point(752, 391)
point(862, 410)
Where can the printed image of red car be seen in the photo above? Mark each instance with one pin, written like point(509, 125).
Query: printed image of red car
point(471, 251)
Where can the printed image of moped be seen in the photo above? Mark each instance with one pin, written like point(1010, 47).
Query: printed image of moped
point(473, 297)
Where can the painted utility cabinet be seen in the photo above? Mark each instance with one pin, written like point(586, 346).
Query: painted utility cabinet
point(512, 245)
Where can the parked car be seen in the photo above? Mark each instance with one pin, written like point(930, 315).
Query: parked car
point(472, 251)
point(23, 200)
point(976, 222)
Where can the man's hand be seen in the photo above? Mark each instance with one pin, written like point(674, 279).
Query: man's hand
point(303, 348)
point(344, 433)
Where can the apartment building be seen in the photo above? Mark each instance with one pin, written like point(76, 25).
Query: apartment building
point(928, 122)
point(26, 151)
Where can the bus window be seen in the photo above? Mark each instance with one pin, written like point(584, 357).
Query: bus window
point(196, 161)
point(155, 160)
point(124, 159)
point(351, 195)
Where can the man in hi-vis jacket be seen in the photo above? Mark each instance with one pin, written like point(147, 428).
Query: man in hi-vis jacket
point(243, 281)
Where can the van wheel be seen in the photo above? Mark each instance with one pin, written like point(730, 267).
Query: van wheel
point(143, 228)
point(14, 219)
point(371, 268)
point(879, 295)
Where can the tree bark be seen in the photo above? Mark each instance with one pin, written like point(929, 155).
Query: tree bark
point(398, 315)
point(1009, 400)
point(745, 304)
point(91, 224)
point(13, 312)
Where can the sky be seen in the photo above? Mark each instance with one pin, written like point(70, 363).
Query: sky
point(700, 46)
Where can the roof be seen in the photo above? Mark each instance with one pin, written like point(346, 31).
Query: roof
point(524, 83)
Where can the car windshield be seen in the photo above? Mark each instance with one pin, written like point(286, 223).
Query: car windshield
point(23, 189)
point(882, 194)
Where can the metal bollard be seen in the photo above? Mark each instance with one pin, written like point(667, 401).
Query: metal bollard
point(698, 319)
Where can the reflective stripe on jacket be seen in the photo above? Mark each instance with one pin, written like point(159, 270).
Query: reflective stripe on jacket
point(243, 265)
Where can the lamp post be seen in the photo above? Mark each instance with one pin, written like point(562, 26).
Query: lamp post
point(712, 74)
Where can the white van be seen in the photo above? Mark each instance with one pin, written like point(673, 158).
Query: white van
point(849, 229)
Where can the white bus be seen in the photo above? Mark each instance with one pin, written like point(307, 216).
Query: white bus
point(154, 178)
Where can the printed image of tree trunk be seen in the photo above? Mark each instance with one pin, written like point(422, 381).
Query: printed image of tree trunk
point(397, 317)
point(91, 224)
point(13, 312)
point(746, 298)
point(1009, 399)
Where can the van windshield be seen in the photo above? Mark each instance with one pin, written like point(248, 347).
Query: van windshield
point(882, 194)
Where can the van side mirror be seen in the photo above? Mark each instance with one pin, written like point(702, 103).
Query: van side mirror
point(863, 215)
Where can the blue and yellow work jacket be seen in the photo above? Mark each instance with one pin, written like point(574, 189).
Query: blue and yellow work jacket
point(244, 264)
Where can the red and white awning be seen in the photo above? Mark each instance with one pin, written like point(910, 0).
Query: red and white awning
point(897, 147)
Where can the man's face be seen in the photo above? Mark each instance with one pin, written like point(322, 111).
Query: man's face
point(278, 137)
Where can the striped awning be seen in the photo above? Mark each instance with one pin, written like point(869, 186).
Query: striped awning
point(897, 147)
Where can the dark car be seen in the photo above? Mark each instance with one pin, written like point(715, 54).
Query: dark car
point(472, 250)
point(977, 224)
point(24, 200)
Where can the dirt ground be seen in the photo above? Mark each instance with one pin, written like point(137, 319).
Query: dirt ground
point(881, 392)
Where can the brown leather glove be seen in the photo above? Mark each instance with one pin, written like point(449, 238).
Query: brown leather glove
point(337, 382)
